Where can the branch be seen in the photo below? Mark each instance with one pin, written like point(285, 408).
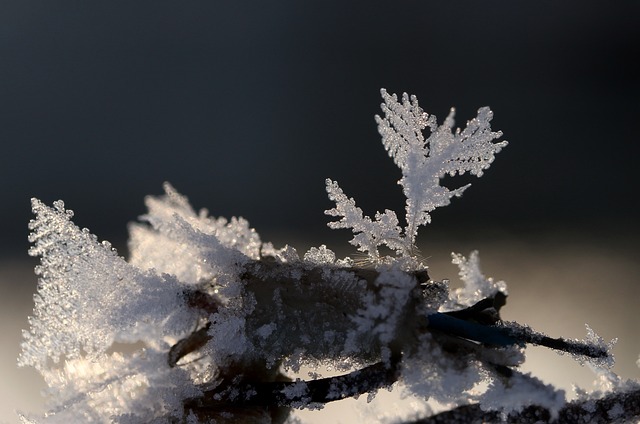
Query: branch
point(296, 393)
point(274, 400)
point(310, 296)
point(622, 406)
point(313, 297)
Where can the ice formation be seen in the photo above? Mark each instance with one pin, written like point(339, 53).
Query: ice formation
point(203, 319)
point(423, 162)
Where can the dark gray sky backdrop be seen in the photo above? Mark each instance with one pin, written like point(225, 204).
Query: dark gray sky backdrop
point(247, 106)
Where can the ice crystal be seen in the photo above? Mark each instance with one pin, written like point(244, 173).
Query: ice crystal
point(88, 299)
point(369, 234)
point(320, 256)
point(476, 285)
point(598, 344)
point(423, 162)
point(431, 374)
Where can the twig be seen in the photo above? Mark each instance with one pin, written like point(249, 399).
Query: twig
point(614, 407)
point(312, 295)
point(247, 396)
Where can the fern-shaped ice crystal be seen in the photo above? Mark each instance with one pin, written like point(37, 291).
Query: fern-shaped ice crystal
point(423, 162)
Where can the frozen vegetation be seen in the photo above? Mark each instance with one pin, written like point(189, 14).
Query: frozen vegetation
point(205, 323)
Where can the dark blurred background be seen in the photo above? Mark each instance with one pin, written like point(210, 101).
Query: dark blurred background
point(246, 107)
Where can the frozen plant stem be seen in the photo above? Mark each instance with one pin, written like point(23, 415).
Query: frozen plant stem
point(319, 391)
point(627, 405)
point(470, 331)
point(312, 297)
point(218, 323)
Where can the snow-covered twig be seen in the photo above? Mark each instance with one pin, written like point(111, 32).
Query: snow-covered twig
point(201, 323)
point(475, 333)
point(295, 393)
point(615, 407)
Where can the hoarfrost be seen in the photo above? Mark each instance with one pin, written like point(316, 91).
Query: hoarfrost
point(234, 234)
point(431, 374)
point(378, 318)
point(320, 256)
point(423, 162)
point(228, 337)
point(287, 254)
point(88, 299)
point(207, 248)
point(521, 391)
point(204, 306)
point(600, 397)
point(297, 390)
point(476, 285)
point(369, 234)
point(598, 344)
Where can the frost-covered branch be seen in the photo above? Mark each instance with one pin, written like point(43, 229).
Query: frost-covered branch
point(617, 407)
point(247, 394)
point(472, 332)
point(312, 290)
point(205, 322)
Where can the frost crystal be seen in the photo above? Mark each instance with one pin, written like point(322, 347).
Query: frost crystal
point(598, 344)
point(476, 285)
point(320, 256)
point(89, 299)
point(208, 248)
point(423, 162)
point(523, 390)
point(91, 304)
